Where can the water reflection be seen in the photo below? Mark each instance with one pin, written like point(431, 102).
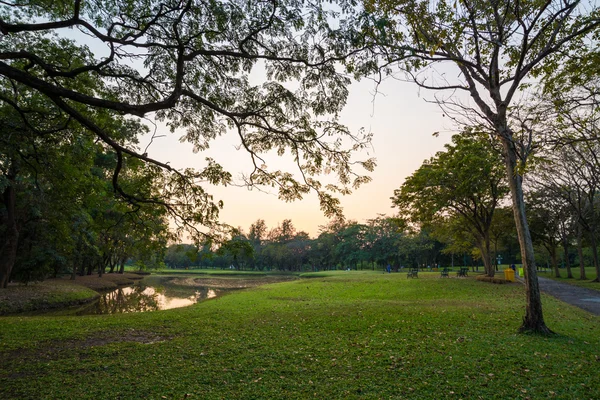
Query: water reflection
point(151, 295)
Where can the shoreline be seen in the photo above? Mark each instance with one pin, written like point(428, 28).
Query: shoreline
point(56, 293)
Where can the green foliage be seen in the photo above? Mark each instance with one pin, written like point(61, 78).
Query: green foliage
point(68, 216)
point(456, 193)
point(491, 279)
point(196, 73)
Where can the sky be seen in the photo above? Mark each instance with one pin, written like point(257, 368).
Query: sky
point(402, 123)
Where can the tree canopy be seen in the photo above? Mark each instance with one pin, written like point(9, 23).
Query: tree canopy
point(190, 65)
point(494, 48)
point(465, 182)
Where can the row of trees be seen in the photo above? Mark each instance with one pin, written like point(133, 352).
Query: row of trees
point(460, 196)
point(188, 63)
point(455, 204)
point(379, 242)
point(59, 212)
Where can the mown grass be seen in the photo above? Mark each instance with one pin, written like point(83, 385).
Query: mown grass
point(590, 273)
point(346, 335)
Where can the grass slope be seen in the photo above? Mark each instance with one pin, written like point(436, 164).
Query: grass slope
point(346, 335)
point(43, 295)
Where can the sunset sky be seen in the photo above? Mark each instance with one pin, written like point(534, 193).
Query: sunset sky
point(399, 116)
point(402, 123)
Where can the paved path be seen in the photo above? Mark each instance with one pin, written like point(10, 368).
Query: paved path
point(588, 299)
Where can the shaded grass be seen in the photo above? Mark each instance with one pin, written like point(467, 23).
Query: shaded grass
point(42, 296)
point(348, 335)
point(590, 273)
point(60, 292)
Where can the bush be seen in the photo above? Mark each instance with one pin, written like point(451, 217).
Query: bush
point(490, 279)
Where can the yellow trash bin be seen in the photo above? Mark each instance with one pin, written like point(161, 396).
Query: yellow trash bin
point(509, 274)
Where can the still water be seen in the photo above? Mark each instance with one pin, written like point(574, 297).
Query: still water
point(150, 295)
point(155, 293)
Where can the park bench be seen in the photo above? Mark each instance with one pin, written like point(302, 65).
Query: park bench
point(444, 273)
point(413, 273)
point(463, 271)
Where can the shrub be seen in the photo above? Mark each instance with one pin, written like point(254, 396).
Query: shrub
point(490, 279)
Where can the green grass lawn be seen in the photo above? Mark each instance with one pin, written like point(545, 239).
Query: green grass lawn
point(343, 335)
point(590, 273)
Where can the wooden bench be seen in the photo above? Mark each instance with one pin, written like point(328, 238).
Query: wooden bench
point(413, 273)
point(444, 273)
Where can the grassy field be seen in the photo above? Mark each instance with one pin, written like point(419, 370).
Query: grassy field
point(590, 273)
point(338, 335)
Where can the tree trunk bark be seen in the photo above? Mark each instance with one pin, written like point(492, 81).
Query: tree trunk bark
point(582, 275)
point(75, 260)
point(554, 261)
point(567, 261)
point(595, 255)
point(491, 265)
point(8, 251)
point(533, 321)
point(488, 266)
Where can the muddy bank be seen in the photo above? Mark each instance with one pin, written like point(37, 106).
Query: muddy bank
point(47, 295)
point(60, 292)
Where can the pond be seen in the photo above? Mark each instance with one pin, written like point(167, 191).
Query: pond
point(155, 293)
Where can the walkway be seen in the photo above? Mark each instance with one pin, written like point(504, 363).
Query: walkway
point(588, 299)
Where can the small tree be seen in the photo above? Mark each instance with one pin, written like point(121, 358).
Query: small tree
point(465, 182)
point(494, 46)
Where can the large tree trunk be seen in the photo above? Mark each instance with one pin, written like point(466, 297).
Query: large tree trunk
point(533, 321)
point(486, 256)
point(582, 274)
point(122, 265)
point(8, 251)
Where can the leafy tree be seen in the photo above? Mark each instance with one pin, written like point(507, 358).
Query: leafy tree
point(180, 255)
point(58, 206)
point(571, 101)
point(546, 215)
point(238, 249)
point(465, 182)
point(354, 245)
point(495, 47)
point(189, 64)
point(384, 235)
point(257, 236)
point(503, 234)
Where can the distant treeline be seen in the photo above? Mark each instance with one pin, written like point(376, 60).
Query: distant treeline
point(380, 242)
